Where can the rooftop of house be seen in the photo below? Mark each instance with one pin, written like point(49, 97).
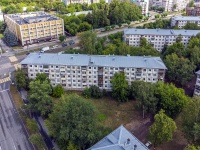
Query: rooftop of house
point(119, 139)
point(94, 60)
point(32, 17)
point(186, 18)
point(198, 72)
point(183, 32)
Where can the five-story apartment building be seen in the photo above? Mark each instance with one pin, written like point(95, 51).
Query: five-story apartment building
point(34, 27)
point(181, 21)
point(159, 38)
point(77, 71)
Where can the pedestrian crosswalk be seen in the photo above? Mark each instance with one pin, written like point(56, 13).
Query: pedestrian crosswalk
point(4, 80)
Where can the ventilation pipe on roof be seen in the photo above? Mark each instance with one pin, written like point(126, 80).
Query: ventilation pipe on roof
point(128, 141)
point(135, 147)
point(71, 57)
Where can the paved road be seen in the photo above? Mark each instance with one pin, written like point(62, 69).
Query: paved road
point(12, 133)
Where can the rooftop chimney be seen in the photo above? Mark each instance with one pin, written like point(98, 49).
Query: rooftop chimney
point(135, 147)
point(128, 141)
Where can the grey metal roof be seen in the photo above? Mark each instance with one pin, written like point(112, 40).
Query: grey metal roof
point(94, 60)
point(186, 18)
point(198, 72)
point(135, 31)
point(117, 140)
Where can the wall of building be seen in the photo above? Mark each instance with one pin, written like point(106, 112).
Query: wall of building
point(78, 77)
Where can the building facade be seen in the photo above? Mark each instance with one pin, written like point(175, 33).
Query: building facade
point(144, 4)
point(119, 139)
point(159, 38)
point(77, 71)
point(197, 85)
point(34, 27)
point(170, 5)
point(67, 2)
point(193, 11)
point(181, 21)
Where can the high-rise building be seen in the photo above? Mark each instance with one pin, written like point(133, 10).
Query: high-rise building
point(181, 21)
point(34, 27)
point(78, 71)
point(159, 38)
point(144, 4)
point(170, 5)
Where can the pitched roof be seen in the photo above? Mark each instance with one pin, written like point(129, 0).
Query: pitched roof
point(117, 140)
point(135, 31)
point(94, 60)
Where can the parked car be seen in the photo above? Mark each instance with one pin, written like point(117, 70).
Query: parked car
point(148, 144)
point(64, 44)
point(55, 46)
point(28, 53)
point(44, 49)
point(71, 42)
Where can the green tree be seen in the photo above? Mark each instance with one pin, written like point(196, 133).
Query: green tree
point(192, 147)
point(179, 69)
point(21, 78)
point(143, 42)
point(37, 140)
point(84, 27)
point(191, 26)
point(42, 77)
point(61, 38)
point(58, 91)
point(120, 87)
point(95, 91)
point(179, 38)
point(162, 129)
point(144, 93)
point(2, 26)
point(39, 99)
point(73, 119)
point(191, 119)
point(71, 146)
point(31, 125)
point(170, 98)
point(88, 40)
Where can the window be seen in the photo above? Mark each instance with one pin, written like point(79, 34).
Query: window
point(56, 66)
point(149, 69)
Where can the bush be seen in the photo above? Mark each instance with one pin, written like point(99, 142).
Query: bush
point(58, 91)
point(93, 91)
point(87, 93)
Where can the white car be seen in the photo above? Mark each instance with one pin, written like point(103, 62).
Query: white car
point(148, 144)
point(55, 46)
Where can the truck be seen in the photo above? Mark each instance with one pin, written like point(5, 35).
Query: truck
point(44, 49)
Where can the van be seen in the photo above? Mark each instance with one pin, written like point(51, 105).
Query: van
point(44, 49)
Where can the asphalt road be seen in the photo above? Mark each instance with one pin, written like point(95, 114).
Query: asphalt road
point(12, 132)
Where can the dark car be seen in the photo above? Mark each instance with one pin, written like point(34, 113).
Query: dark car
point(64, 44)
point(28, 53)
point(71, 42)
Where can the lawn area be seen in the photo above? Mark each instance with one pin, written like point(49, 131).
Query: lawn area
point(16, 97)
point(116, 113)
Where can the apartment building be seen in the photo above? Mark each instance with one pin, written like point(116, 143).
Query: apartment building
point(197, 85)
point(159, 38)
point(67, 2)
point(170, 5)
point(144, 4)
point(181, 21)
point(77, 71)
point(34, 27)
point(193, 11)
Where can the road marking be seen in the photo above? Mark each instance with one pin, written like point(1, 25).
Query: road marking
point(12, 59)
point(17, 66)
point(4, 90)
point(4, 80)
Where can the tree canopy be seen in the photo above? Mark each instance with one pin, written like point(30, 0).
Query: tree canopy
point(73, 120)
point(162, 129)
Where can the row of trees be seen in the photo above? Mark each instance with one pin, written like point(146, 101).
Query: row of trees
point(113, 45)
point(151, 97)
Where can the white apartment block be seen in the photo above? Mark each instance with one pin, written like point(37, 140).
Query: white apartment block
point(77, 71)
point(170, 5)
point(197, 85)
point(157, 37)
point(144, 4)
point(181, 21)
point(67, 2)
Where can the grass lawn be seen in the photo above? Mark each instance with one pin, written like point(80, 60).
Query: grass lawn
point(16, 96)
point(115, 113)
